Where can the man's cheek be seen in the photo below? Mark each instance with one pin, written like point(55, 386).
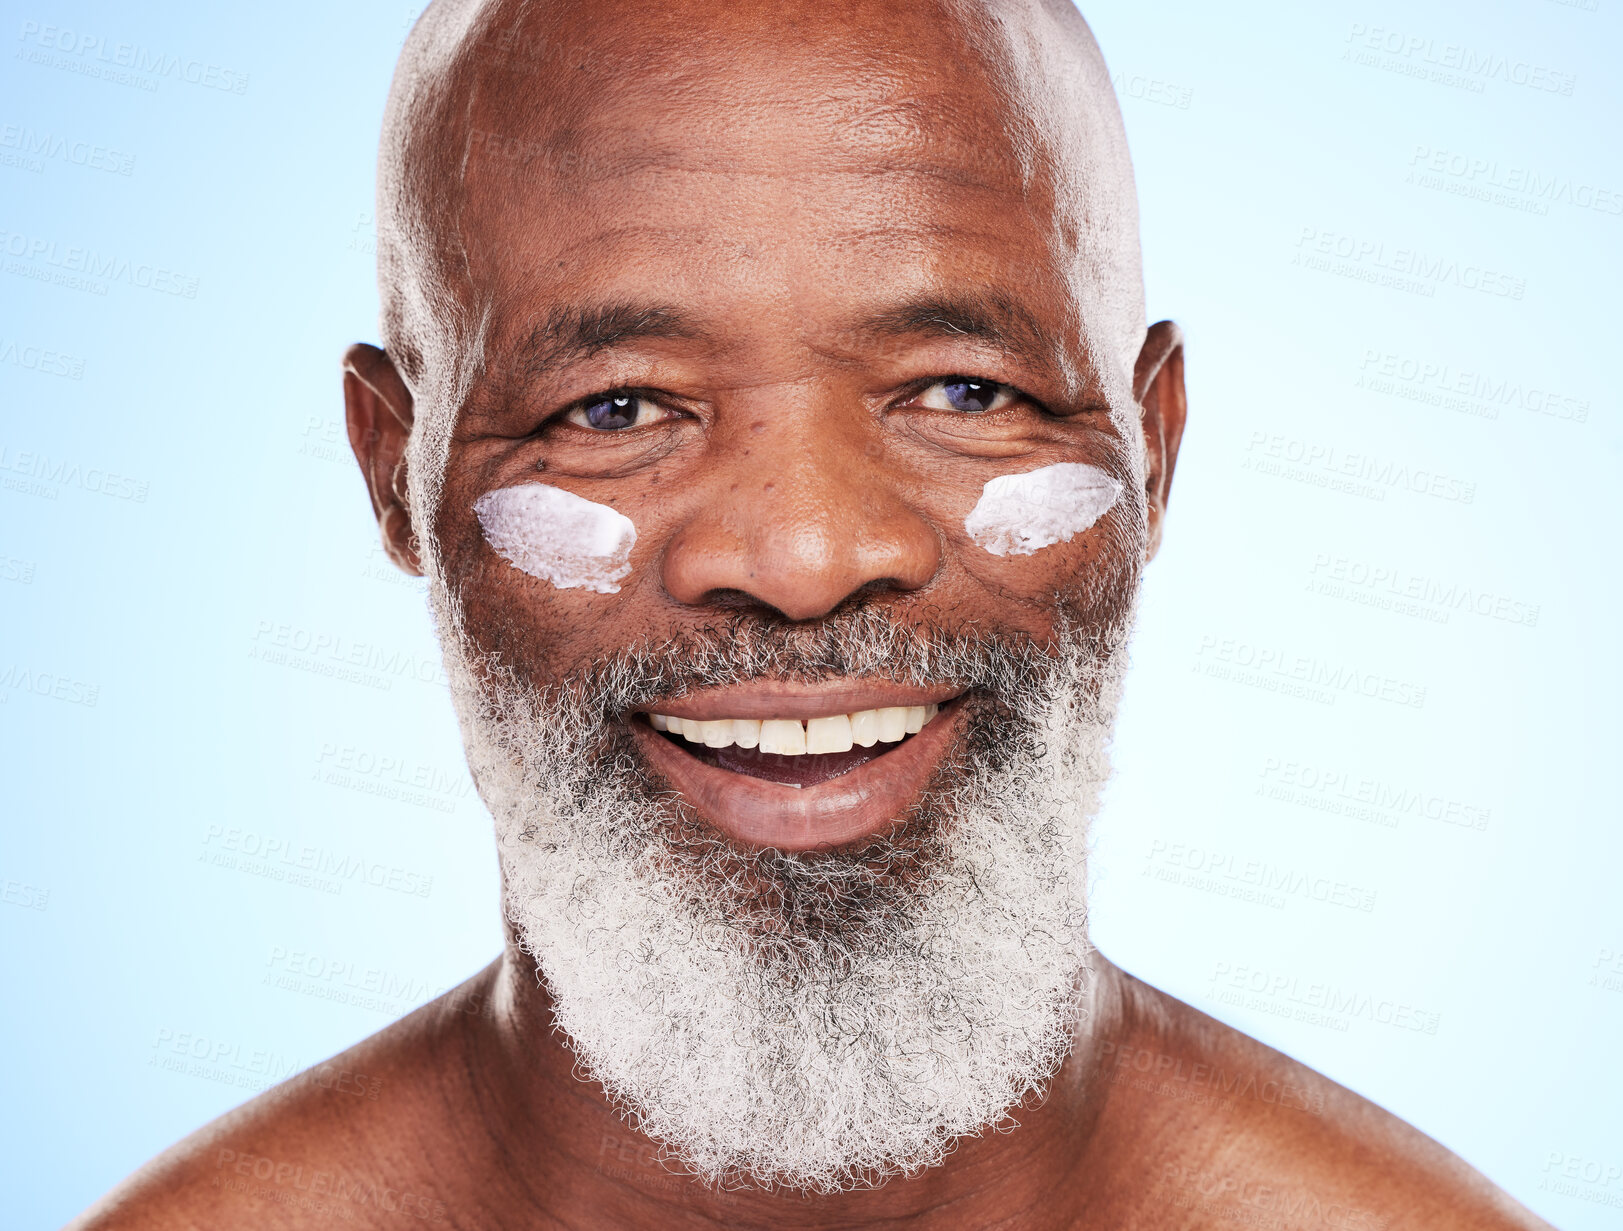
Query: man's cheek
point(1090, 575)
point(539, 631)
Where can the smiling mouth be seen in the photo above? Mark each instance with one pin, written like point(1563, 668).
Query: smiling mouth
point(798, 781)
point(793, 752)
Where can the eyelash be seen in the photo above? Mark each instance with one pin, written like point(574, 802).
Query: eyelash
point(998, 387)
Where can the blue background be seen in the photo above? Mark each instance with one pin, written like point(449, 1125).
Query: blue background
point(209, 672)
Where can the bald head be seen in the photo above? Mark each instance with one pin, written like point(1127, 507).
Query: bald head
point(781, 146)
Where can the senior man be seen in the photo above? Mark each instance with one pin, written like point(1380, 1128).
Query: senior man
point(768, 399)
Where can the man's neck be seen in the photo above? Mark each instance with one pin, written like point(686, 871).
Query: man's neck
point(565, 1152)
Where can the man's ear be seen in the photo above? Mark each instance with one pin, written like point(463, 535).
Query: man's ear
point(377, 406)
point(1158, 390)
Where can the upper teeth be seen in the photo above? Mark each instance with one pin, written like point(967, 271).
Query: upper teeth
point(792, 737)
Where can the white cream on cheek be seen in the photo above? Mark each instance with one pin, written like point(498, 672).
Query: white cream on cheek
point(558, 536)
point(1019, 513)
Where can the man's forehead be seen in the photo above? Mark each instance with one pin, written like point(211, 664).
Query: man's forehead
point(781, 204)
point(822, 259)
point(755, 109)
point(873, 64)
point(566, 138)
point(608, 116)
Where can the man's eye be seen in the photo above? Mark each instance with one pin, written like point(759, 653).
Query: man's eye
point(613, 412)
point(966, 393)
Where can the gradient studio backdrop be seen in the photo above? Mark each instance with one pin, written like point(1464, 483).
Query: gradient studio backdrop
point(1362, 808)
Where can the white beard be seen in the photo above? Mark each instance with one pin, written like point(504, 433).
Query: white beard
point(819, 1020)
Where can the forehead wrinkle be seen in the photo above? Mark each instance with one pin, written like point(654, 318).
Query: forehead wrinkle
point(649, 169)
point(870, 103)
point(637, 132)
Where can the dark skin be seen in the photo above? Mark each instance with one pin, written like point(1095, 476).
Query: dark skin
point(792, 459)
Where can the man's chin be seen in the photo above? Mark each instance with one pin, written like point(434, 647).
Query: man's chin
point(817, 1020)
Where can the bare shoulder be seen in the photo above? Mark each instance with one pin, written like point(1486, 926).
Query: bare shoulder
point(338, 1145)
point(1236, 1131)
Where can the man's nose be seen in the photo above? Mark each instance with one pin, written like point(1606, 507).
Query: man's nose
point(800, 522)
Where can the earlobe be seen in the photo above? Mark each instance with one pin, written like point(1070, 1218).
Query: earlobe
point(1159, 390)
point(378, 411)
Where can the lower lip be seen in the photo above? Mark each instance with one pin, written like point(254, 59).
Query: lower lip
point(839, 811)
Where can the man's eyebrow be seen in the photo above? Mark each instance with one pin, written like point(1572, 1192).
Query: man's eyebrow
point(991, 318)
point(571, 334)
point(568, 335)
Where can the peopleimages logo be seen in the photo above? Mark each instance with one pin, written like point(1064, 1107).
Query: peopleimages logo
point(1231, 875)
point(1348, 470)
point(73, 259)
point(1406, 269)
point(300, 1185)
point(34, 145)
point(1273, 667)
point(34, 465)
point(1361, 796)
point(16, 678)
point(41, 359)
point(95, 55)
point(1474, 176)
point(1427, 53)
point(311, 867)
point(1381, 584)
point(1467, 391)
point(337, 656)
point(1272, 990)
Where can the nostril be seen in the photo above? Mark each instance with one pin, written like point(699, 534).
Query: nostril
point(743, 603)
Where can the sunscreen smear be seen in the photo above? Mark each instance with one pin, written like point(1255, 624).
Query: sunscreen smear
point(560, 537)
point(1019, 513)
